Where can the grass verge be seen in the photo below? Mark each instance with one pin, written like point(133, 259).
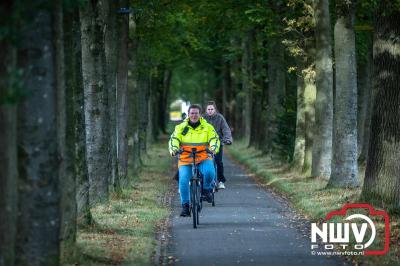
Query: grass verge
point(310, 196)
point(125, 228)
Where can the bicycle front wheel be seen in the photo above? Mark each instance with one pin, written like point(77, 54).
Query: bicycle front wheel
point(193, 197)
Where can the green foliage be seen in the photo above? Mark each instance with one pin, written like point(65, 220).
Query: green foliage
point(192, 83)
point(200, 35)
point(299, 30)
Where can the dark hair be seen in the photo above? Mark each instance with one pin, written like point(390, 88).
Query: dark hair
point(213, 104)
point(194, 106)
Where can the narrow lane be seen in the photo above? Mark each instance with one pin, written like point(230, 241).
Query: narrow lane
point(248, 226)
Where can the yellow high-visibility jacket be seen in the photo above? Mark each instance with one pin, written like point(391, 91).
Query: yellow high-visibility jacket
point(204, 136)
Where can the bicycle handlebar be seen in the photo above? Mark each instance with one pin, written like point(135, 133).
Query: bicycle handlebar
point(194, 151)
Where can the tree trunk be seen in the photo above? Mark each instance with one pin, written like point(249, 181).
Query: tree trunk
point(299, 146)
point(143, 111)
point(8, 144)
point(322, 146)
point(109, 11)
point(152, 88)
point(66, 141)
point(344, 157)
point(247, 81)
point(75, 104)
point(382, 179)
point(365, 106)
point(133, 121)
point(309, 115)
point(122, 98)
point(225, 88)
point(39, 197)
point(8, 178)
point(95, 95)
point(257, 94)
point(164, 92)
point(239, 128)
point(276, 90)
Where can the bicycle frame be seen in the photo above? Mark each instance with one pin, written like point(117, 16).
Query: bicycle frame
point(196, 187)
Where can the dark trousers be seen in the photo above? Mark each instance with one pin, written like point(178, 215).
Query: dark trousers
point(220, 165)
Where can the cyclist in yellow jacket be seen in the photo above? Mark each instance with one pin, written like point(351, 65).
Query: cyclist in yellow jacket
point(194, 132)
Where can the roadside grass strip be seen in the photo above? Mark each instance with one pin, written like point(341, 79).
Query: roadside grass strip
point(311, 198)
point(125, 228)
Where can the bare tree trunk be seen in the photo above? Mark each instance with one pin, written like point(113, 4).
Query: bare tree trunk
point(225, 88)
point(122, 98)
point(257, 124)
point(276, 90)
point(164, 92)
point(152, 88)
point(309, 115)
point(75, 104)
point(299, 146)
point(133, 139)
point(96, 104)
point(365, 106)
point(8, 178)
point(382, 179)
point(247, 80)
point(66, 141)
point(39, 196)
point(143, 111)
point(344, 157)
point(8, 144)
point(322, 146)
point(239, 106)
point(109, 10)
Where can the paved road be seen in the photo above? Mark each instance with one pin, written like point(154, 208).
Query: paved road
point(248, 226)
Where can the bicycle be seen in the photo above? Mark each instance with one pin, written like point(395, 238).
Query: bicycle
point(196, 187)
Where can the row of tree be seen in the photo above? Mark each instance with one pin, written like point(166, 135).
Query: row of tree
point(85, 87)
point(312, 82)
point(74, 106)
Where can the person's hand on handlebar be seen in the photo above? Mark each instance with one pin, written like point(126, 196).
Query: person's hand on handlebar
point(211, 151)
point(174, 153)
point(227, 142)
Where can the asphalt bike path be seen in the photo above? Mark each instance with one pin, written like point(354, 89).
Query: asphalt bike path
point(248, 226)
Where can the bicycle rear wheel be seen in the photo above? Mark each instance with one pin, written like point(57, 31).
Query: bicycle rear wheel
point(193, 197)
point(199, 201)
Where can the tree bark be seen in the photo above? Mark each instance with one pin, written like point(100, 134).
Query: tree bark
point(309, 115)
point(8, 180)
point(39, 196)
point(382, 180)
point(239, 128)
point(276, 90)
point(96, 104)
point(122, 98)
point(164, 92)
point(133, 139)
point(322, 146)
point(299, 146)
point(75, 104)
point(344, 171)
point(8, 144)
point(257, 94)
point(365, 106)
point(109, 10)
point(143, 111)
point(247, 81)
point(66, 141)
